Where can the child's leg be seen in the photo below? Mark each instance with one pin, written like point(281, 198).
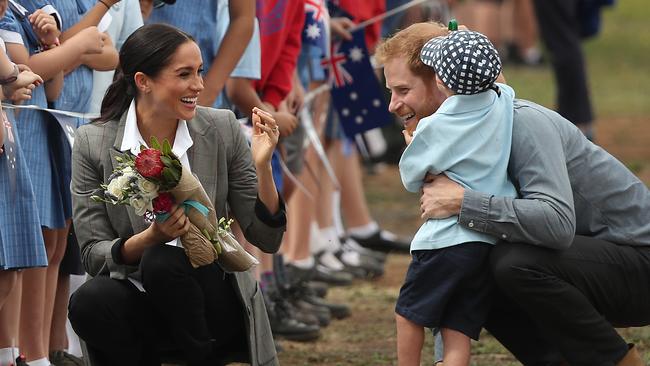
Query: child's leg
point(410, 337)
point(457, 347)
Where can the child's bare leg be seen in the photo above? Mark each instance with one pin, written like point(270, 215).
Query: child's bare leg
point(457, 347)
point(410, 337)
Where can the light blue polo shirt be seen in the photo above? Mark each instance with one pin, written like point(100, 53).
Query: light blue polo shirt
point(469, 139)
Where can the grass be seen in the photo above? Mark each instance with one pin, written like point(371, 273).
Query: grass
point(618, 61)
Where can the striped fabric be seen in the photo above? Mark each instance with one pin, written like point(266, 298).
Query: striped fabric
point(21, 240)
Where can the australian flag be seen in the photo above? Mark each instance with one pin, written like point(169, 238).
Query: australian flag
point(355, 91)
point(315, 31)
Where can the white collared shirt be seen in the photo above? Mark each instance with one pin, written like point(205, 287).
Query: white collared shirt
point(133, 139)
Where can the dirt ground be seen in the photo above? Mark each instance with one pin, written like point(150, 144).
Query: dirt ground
point(368, 336)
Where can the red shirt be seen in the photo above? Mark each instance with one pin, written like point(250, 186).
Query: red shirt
point(363, 10)
point(281, 23)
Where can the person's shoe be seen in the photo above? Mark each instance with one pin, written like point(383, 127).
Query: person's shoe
point(322, 314)
point(339, 311)
point(632, 358)
point(63, 358)
point(383, 241)
point(318, 288)
point(351, 244)
point(283, 322)
point(362, 266)
point(331, 277)
point(20, 361)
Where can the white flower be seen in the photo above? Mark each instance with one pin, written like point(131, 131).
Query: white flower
point(115, 189)
point(122, 182)
point(140, 204)
point(147, 188)
point(127, 170)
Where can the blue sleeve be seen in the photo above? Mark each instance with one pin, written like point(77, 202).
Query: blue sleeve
point(425, 154)
point(10, 29)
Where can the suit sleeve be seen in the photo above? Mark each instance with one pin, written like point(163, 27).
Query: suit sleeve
point(93, 228)
point(544, 212)
point(259, 227)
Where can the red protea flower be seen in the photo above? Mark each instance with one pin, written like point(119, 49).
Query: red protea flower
point(148, 163)
point(163, 203)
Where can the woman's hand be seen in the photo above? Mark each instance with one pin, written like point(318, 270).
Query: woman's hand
point(441, 197)
point(177, 224)
point(45, 27)
point(265, 136)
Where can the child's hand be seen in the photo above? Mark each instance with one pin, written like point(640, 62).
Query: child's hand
point(90, 39)
point(45, 27)
point(21, 89)
point(22, 94)
point(286, 121)
point(408, 136)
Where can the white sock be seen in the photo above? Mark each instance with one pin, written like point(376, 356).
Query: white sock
point(40, 362)
point(306, 263)
point(8, 355)
point(330, 238)
point(364, 231)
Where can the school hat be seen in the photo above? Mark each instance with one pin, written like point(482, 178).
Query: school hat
point(466, 61)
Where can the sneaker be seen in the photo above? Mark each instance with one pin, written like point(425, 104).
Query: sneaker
point(383, 241)
point(63, 358)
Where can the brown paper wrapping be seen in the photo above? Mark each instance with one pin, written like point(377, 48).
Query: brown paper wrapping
point(199, 250)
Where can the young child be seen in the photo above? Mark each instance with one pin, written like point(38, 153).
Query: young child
point(447, 285)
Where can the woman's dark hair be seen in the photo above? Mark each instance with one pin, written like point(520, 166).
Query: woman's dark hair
point(147, 50)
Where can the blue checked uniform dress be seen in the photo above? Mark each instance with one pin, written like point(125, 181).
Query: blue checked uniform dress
point(21, 239)
point(41, 136)
point(197, 18)
point(78, 84)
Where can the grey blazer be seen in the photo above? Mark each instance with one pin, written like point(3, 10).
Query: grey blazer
point(221, 160)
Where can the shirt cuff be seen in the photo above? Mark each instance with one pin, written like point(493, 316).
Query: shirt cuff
point(116, 252)
point(277, 220)
point(474, 210)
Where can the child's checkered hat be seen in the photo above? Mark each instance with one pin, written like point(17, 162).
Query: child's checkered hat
point(466, 62)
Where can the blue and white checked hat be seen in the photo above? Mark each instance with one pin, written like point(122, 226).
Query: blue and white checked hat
point(466, 61)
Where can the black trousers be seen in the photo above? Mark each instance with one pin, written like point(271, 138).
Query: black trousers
point(555, 306)
point(559, 28)
point(185, 313)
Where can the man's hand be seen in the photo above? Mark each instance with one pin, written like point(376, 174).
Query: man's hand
point(441, 197)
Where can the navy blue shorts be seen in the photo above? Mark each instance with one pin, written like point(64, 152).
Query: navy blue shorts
point(448, 288)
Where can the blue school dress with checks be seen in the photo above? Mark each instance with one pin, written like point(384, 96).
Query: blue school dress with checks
point(21, 239)
point(78, 84)
point(42, 138)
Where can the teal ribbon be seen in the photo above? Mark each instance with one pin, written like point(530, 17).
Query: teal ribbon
point(186, 204)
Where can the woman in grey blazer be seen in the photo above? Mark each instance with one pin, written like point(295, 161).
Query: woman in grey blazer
point(145, 302)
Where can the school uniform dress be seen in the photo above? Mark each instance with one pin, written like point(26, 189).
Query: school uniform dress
point(21, 239)
point(43, 142)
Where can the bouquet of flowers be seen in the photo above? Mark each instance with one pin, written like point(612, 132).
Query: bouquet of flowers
point(152, 182)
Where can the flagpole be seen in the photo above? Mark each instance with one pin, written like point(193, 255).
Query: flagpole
point(379, 17)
